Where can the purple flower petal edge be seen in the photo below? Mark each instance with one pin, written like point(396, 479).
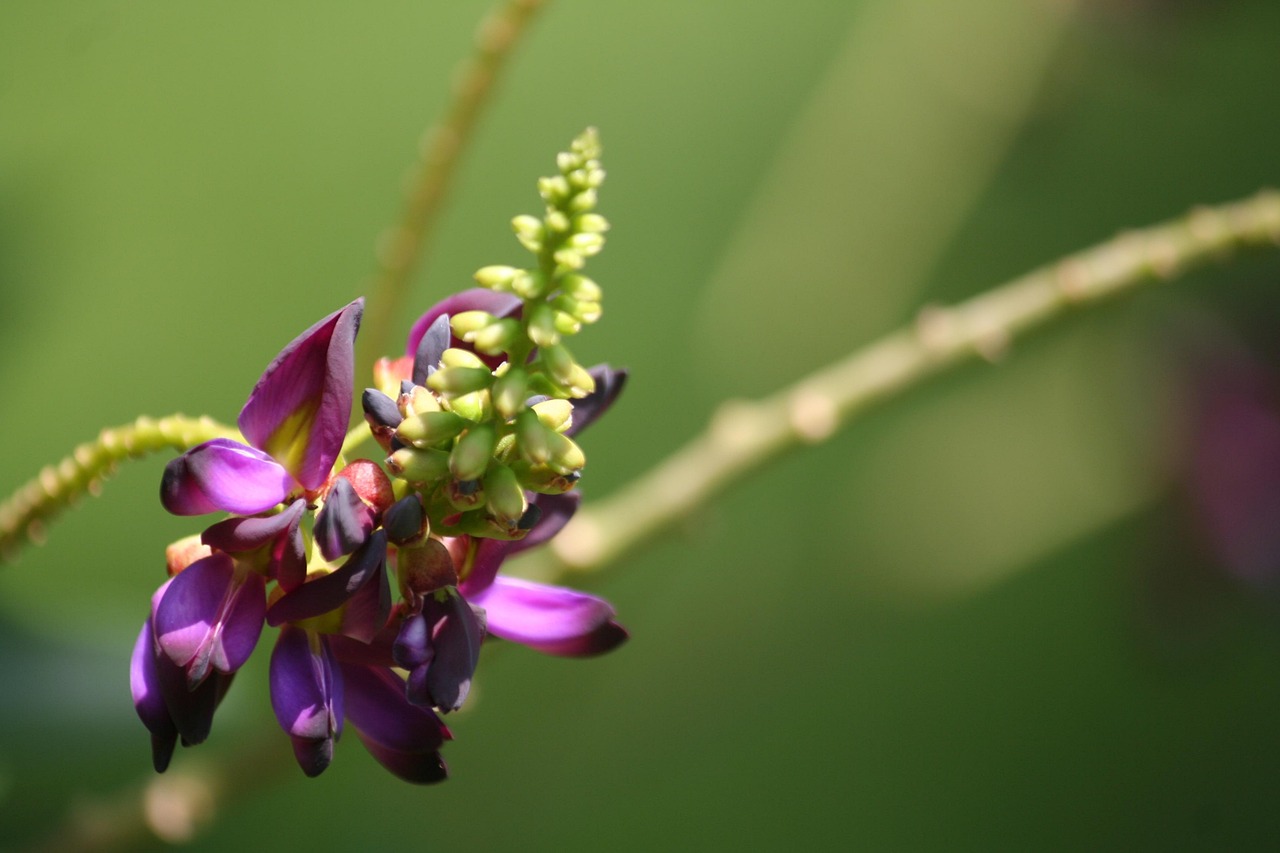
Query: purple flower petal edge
point(550, 619)
point(223, 476)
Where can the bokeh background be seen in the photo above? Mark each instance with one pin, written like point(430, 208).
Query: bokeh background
point(991, 615)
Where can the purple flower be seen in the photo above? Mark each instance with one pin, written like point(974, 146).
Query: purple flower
point(294, 421)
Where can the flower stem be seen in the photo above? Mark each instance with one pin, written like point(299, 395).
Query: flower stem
point(24, 514)
point(402, 246)
point(743, 435)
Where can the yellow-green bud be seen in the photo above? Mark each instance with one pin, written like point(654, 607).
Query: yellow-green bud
point(416, 401)
point(591, 222)
point(567, 372)
point(566, 456)
point(533, 439)
point(555, 414)
point(467, 323)
point(473, 452)
point(503, 495)
point(419, 466)
point(587, 243)
point(496, 277)
point(542, 479)
point(554, 189)
point(458, 357)
point(509, 392)
point(583, 202)
point(497, 337)
point(542, 325)
point(528, 231)
point(557, 221)
point(567, 324)
point(473, 407)
point(430, 429)
point(528, 284)
point(456, 381)
point(581, 288)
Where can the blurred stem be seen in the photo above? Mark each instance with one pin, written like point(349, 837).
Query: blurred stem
point(744, 435)
point(401, 247)
point(24, 514)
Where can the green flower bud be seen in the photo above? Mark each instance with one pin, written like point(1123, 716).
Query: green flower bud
point(503, 495)
point(555, 414)
point(473, 407)
point(566, 456)
point(557, 222)
point(590, 222)
point(464, 494)
point(567, 372)
point(529, 232)
point(416, 401)
point(588, 244)
point(419, 466)
point(469, 322)
point(542, 479)
point(509, 393)
point(456, 381)
point(473, 452)
point(496, 277)
point(567, 324)
point(569, 258)
point(542, 325)
point(528, 285)
point(533, 439)
point(566, 162)
point(458, 357)
point(584, 202)
point(581, 288)
point(431, 429)
point(554, 190)
point(497, 337)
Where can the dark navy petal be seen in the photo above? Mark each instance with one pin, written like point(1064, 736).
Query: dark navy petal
point(331, 591)
point(418, 768)
point(344, 522)
point(299, 409)
point(210, 617)
point(223, 476)
point(443, 679)
point(307, 696)
point(284, 560)
point(148, 699)
point(435, 340)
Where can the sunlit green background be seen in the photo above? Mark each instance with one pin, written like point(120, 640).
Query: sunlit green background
point(978, 619)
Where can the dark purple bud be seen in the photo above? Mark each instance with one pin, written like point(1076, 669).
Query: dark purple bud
point(307, 696)
point(329, 592)
point(382, 414)
point(223, 476)
point(434, 341)
point(344, 522)
point(298, 411)
point(405, 520)
point(609, 384)
point(441, 647)
point(210, 617)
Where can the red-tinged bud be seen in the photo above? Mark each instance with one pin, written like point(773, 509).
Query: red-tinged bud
point(184, 552)
point(370, 483)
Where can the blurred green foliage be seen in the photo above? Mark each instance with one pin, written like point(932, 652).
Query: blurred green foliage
point(975, 620)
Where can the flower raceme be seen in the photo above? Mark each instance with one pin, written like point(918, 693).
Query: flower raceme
point(341, 640)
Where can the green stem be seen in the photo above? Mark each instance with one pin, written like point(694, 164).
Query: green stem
point(401, 248)
point(24, 514)
point(743, 435)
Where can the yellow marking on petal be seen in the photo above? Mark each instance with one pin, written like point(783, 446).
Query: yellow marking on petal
point(288, 443)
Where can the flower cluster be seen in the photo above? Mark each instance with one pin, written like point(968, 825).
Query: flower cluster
point(477, 425)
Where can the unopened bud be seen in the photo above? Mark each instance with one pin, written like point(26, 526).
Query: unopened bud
point(587, 243)
point(553, 190)
point(473, 452)
point(566, 456)
point(452, 381)
point(583, 202)
point(431, 429)
point(592, 223)
point(543, 479)
point(557, 222)
point(581, 288)
point(533, 438)
point(509, 392)
point(469, 322)
point(503, 495)
point(406, 521)
point(417, 399)
point(542, 325)
point(555, 414)
point(497, 337)
point(419, 466)
point(496, 277)
point(528, 231)
point(422, 569)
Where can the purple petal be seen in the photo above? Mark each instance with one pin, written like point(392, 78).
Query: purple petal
point(376, 705)
point(190, 710)
point(298, 411)
point(412, 648)
point(609, 384)
point(210, 617)
point(331, 591)
point(365, 613)
point(457, 631)
point(148, 699)
point(487, 558)
point(550, 619)
point(476, 299)
point(556, 510)
point(223, 475)
point(286, 558)
point(418, 768)
point(307, 696)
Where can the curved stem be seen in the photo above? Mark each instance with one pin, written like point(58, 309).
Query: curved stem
point(743, 435)
point(24, 514)
point(402, 246)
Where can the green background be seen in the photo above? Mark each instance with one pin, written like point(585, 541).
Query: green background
point(981, 618)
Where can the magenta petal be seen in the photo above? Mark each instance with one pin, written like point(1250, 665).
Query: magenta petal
point(376, 705)
point(298, 411)
point(210, 617)
point(307, 696)
point(223, 476)
point(334, 589)
point(546, 618)
point(488, 558)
